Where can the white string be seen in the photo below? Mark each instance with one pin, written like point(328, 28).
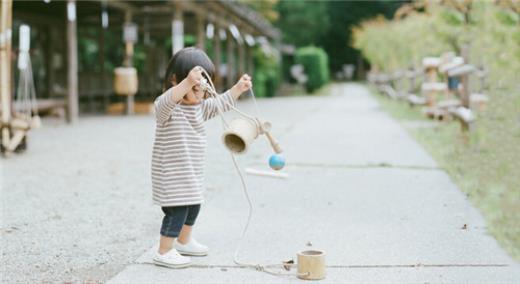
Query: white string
point(211, 89)
point(208, 86)
point(26, 94)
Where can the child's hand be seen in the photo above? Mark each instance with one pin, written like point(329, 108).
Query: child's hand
point(243, 84)
point(194, 76)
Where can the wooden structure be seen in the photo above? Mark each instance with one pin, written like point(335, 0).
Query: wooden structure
point(413, 74)
point(62, 29)
point(432, 86)
point(459, 102)
point(5, 71)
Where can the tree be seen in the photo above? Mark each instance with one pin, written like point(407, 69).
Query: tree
point(302, 22)
point(343, 16)
point(328, 24)
point(266, 8)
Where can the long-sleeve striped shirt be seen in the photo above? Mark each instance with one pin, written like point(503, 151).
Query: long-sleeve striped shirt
point(179, 149)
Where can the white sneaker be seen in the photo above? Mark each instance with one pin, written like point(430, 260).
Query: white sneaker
point(171, 259)
point(191, 248)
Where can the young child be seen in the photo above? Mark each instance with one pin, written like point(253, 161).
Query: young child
point(179, 151)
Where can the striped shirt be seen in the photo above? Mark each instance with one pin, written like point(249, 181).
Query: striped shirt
point(179, 149)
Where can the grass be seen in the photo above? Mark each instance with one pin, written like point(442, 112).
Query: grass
point(485, 164)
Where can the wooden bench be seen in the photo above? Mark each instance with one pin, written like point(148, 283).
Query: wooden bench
point(54, 106)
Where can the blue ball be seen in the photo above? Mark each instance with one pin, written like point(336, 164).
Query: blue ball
point(277, 162)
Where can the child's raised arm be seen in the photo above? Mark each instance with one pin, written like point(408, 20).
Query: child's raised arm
point(212, 106)
point(222, 103)
point(243, 84)
point(165, 103)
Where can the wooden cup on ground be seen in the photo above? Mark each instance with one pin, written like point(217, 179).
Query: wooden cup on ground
point(311, 265)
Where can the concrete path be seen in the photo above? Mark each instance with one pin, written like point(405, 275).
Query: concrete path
point(360, 189)
point(77, 206)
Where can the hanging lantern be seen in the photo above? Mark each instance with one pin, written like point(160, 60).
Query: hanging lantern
point(125, 81)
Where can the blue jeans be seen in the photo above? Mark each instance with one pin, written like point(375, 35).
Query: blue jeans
point(177, 216)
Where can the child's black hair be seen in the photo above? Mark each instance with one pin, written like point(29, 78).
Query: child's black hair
point(183, 61)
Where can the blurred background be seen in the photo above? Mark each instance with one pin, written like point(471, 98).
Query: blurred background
point(448, 71)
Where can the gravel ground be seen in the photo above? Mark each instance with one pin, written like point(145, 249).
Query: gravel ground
point(76, 206)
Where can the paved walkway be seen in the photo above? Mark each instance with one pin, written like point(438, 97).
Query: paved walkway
point(397, 222)
point(360, 188)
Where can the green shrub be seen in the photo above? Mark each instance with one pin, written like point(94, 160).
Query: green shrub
point(315, 63)
point(259, 84)
point(267, 74)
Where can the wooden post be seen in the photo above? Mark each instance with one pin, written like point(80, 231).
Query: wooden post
point(5, 67)
point(465, 78)
point(360, 68)
point(201, 31)
point(250, 63)
point(48, 61)
point(72, 63)
point(411, 74)
point(241, 58)
point(230, 61)
point(177, 29)
point(217, 47)
point(129, 54)
point(465, 92)
point(129, 46)
point(101, 62)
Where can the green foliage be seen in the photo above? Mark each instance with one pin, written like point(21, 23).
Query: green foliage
point(327, 24)
point(89, 53)
point(452, 17)
point(266, 8)
point(302, 22)
point(267, 74)
point(484, 163)
point(390, 45)
point(189, 40)
point(259, 85)
point(343, 15)
point(508, 17)
point(315, 64)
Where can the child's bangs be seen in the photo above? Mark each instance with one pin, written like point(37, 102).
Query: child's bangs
point(194, 57)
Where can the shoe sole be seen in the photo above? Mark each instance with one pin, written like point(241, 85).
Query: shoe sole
point(169, 265)
point(192, 253)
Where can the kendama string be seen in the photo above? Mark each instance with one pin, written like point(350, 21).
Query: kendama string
point(207, 85)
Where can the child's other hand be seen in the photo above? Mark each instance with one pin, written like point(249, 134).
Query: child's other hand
point(194, 76)
point(243, 84)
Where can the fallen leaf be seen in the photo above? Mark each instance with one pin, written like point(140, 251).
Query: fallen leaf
point(287, 264)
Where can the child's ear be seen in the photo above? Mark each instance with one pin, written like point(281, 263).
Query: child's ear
point(174, 81)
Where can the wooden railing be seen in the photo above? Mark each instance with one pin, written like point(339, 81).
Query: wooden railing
point(441, 86)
